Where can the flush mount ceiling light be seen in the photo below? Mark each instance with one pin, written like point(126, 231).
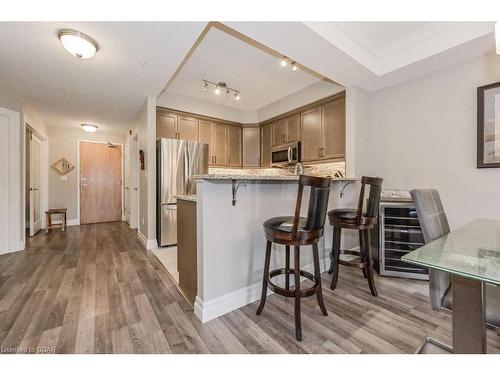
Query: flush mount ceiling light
point(219, 86)
point(78, 44)
point(497, 36)
point(89, 128)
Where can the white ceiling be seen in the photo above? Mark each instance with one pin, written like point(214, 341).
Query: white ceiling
point(109, 89)
point(373, 55)
point(221, 57)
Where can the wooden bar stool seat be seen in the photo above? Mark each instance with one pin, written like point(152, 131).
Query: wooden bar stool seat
point(298, 231)
point(362, 221)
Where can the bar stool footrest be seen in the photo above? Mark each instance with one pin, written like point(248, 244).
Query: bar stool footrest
point(291, 292)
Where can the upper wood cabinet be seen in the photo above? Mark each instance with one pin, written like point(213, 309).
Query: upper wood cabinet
point(187, 128)
point(286, 130)
point(234, 145)
point(251, 146)
point(265, 145)
point(323, 131)
point(219, 142)
point(171, 125)
point(311, 134)
point(334, 129)
point(205, 134)
point(166, 125)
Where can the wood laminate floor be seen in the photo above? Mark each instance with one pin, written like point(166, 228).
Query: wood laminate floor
point(94, 289)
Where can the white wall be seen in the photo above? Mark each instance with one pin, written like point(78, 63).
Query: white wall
point(194, 105)
point(310, 94)
point(422, 133)
point(145, 123)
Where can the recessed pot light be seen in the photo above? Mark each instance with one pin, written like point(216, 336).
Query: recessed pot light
point(78, 44)
point(89, 128)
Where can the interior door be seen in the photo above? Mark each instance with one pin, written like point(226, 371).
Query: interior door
point(35, 185)
point(100, 183)
point(134, 182)
point(127, 192)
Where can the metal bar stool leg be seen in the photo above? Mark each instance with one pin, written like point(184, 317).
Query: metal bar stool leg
point(265, 278)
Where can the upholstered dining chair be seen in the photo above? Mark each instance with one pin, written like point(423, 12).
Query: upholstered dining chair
point(434, 224)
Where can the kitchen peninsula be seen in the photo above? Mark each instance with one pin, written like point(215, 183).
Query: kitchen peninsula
point(230, 237)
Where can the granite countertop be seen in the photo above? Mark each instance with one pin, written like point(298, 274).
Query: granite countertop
point(187, 197)
point(262, 177)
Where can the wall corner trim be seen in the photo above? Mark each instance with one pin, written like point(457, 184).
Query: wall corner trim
point(149, 244)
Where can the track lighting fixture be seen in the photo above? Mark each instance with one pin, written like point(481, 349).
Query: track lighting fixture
point(219, 86)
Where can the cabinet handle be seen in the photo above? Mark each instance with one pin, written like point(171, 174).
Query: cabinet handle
point(319, 152)
point(215, 159)
point(229, 160)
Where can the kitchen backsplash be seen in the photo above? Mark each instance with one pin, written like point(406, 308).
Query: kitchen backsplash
point(322, 170)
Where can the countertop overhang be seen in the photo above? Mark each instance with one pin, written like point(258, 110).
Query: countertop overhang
point(229, 177)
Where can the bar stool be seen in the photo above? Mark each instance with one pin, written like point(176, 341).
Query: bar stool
point(357, 219)
point(298, 231)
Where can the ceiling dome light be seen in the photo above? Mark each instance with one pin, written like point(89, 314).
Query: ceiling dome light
point(78, 44)
point(89, 128)
point(294, 66)
point(283, 61)
point(497, 36)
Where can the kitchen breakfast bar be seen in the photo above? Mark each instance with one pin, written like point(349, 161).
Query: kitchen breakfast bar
point(230, 211)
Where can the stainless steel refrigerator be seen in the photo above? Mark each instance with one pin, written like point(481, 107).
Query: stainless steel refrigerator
point(177, 162)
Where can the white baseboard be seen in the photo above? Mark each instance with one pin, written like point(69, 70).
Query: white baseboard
point(149, 244)
point(208, 310)
point(18, 246)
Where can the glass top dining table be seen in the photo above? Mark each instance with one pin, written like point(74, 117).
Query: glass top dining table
point(471, 255)
point(471, 251)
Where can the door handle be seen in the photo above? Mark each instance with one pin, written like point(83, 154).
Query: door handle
point(135, 189)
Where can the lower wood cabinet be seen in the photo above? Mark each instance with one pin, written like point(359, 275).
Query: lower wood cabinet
point(186, 249)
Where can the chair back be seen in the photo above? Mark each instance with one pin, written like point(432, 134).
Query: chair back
point(318, 202)
point(430, 213)
point(371, 213)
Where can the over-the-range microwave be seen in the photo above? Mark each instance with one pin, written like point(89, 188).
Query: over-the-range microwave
point(285, 154)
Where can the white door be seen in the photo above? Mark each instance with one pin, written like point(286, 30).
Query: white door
point(35, 185)
point(134, 182)
point(127, 182)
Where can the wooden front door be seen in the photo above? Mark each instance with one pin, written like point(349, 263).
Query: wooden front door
point(100, 183)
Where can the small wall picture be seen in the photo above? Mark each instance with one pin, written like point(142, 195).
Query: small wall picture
point(63, 166)
point(488, 126)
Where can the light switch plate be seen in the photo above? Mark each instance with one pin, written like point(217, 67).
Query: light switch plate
point(64, 178)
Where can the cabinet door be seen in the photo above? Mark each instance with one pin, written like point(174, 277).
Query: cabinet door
point(187, 128)
point(166, 125)
point(334, 129)
point(293, 128)
point(205, 136)
point(279, 132)
point(265, 145)
point(311, 134)
point(219, 143)
point(251, 147)
point(234, 145)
